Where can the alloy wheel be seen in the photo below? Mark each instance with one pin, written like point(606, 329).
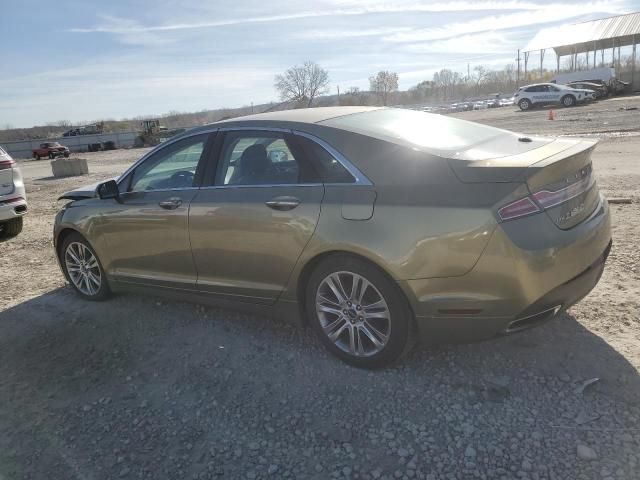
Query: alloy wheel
point(353, 314)
point(83, 268)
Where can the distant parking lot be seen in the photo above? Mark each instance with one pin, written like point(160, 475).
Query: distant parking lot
point(141, 387)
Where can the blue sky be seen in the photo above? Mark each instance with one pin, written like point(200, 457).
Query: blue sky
point(83, 60)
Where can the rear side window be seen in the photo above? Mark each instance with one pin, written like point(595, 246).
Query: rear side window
point(329, 168)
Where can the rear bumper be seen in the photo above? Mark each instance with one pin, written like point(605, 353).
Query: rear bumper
point(10, 210)
point(529, 271)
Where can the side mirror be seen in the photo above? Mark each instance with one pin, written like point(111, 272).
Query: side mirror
point(108, 190)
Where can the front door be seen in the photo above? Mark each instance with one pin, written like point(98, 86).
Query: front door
point(249, 227)
point(147, 234)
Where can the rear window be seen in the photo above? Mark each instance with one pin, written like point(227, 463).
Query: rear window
point(431, 131)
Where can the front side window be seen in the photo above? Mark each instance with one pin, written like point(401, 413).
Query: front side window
point(173, 166)
point(260, 158)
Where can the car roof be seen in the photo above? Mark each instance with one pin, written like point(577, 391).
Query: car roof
point(301, 115)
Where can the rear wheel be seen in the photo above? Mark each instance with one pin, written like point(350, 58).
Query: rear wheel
point(36, 156)
point(358, 313)
point(524, 104)
point(568, 101)
point(11, 228)
point(83, 268)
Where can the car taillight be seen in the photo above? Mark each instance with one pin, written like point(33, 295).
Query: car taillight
point(545, 199)
point(4, 164)
point(519, 208)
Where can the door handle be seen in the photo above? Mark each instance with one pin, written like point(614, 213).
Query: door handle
point(283, 203)
point(171, 203)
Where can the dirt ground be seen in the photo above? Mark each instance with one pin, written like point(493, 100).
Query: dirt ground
point(141, 387)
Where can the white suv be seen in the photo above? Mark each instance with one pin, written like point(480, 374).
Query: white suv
point(549, 93)
point(13, 199)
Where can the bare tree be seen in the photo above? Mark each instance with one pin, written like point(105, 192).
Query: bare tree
point(302, 83)
point(383, 84)
point(479, 75)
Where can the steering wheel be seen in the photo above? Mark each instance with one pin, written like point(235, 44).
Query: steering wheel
point(183, 178)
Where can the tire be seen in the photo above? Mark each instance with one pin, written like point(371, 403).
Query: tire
point(524, 104)
point(65, 154)
point(355, 336)
point(36, 156)
point(568, 101)
point(11, 228)
point(77, 260)
point(51, 156)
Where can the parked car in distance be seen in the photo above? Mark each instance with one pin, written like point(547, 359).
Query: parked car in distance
point(51, 150)
point(600, 90)
point(376, 226)
point(506, 102)
point(539, 94)
point(13, 198)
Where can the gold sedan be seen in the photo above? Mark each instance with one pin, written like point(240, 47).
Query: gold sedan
point(376, 226)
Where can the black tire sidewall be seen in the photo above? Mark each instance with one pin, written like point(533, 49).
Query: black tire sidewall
point(11, 228)
point(571, 104)
point(104, 292)
point(397, 303)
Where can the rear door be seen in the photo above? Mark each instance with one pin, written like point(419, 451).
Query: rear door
point(250, 225)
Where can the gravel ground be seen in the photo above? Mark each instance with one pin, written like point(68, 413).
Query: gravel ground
point(140, 387)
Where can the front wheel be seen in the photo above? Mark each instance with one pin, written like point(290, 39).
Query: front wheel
point(83, 268)
point(524, 104)
point(359, 314)
point(568, 101)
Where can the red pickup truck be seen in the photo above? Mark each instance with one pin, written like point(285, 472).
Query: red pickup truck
point(51, 150)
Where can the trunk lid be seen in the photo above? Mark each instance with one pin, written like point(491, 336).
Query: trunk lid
point(558, 173)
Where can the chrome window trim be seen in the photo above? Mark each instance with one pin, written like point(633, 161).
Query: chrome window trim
point(162, 145)
point(361, 178)
point(160, 190)
point(264, 185)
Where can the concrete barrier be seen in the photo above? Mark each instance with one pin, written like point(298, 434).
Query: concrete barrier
point(69, 167)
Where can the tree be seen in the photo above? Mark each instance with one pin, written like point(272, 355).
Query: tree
point(480, 74)
point(302, 83)
point(446, 80)
point(383, 84)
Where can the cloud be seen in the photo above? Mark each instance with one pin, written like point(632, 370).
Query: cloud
point(473, 44)
point(546, 14)
point(325, 34)
point(122, 26)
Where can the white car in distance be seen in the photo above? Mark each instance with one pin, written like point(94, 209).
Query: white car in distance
point(551, 94)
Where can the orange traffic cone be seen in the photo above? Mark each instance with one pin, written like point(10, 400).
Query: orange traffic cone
point(552, 116)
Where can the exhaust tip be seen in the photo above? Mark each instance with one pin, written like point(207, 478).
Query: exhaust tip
point(533, 320)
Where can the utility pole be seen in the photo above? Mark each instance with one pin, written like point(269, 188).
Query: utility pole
point(518, 71)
